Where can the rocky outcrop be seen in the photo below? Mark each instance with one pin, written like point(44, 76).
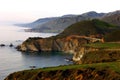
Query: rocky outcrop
point(68, 45)
point(2, 45)
point(72, 44)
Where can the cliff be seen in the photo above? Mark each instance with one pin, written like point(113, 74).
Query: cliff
point(72, 39)
point(68, 44)
point(90, 53)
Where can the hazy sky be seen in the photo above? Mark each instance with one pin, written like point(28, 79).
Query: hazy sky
point(30, 10)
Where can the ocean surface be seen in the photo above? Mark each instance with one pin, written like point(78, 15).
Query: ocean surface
point(12, 60)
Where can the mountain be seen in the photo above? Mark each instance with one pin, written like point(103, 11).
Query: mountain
point(93, 14)
point(112, 17)
point(58, 24)
point(69, 15)
point(37, 22)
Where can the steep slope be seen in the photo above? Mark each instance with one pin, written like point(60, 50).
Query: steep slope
point(88, 28)
point(112, 17)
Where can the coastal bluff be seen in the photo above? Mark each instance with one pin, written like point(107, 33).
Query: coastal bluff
point(73, 39)
point(72, 45)
point(84, 50)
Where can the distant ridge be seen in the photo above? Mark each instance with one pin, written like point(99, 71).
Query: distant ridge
point(112, 17)
point(58, 24)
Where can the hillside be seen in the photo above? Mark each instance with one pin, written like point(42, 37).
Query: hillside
point(88, 28)
point(112, 18)
point(99, 71)
point(113, 36)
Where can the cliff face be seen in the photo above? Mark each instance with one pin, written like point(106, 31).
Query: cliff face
point(72, 44)
point(68, 44)
point(75, 45)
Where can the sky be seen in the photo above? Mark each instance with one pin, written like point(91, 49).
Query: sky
point(29, 10)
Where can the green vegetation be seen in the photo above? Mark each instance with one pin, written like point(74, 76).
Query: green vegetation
point(102, 24)
point(106, 45)
point(99, 56)
point(88, 27)
point(112, 65)
point(104, 71)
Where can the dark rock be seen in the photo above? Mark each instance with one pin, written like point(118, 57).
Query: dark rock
point(2, 45)
point(11, 45)
point(32, 67)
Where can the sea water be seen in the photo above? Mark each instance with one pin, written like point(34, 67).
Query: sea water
point(12, 60)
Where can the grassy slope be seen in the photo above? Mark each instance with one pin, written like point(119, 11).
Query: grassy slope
point(112, 65)
point(87, 27)
point(61, 72)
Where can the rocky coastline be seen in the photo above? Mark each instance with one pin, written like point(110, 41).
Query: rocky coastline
point(73, 40)
point(73, 45)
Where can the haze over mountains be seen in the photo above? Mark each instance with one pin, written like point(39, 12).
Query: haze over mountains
point(58, 24)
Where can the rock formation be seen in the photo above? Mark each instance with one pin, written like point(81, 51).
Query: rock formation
point(68, 44)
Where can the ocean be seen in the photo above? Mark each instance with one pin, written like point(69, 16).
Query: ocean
point(12, 60)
